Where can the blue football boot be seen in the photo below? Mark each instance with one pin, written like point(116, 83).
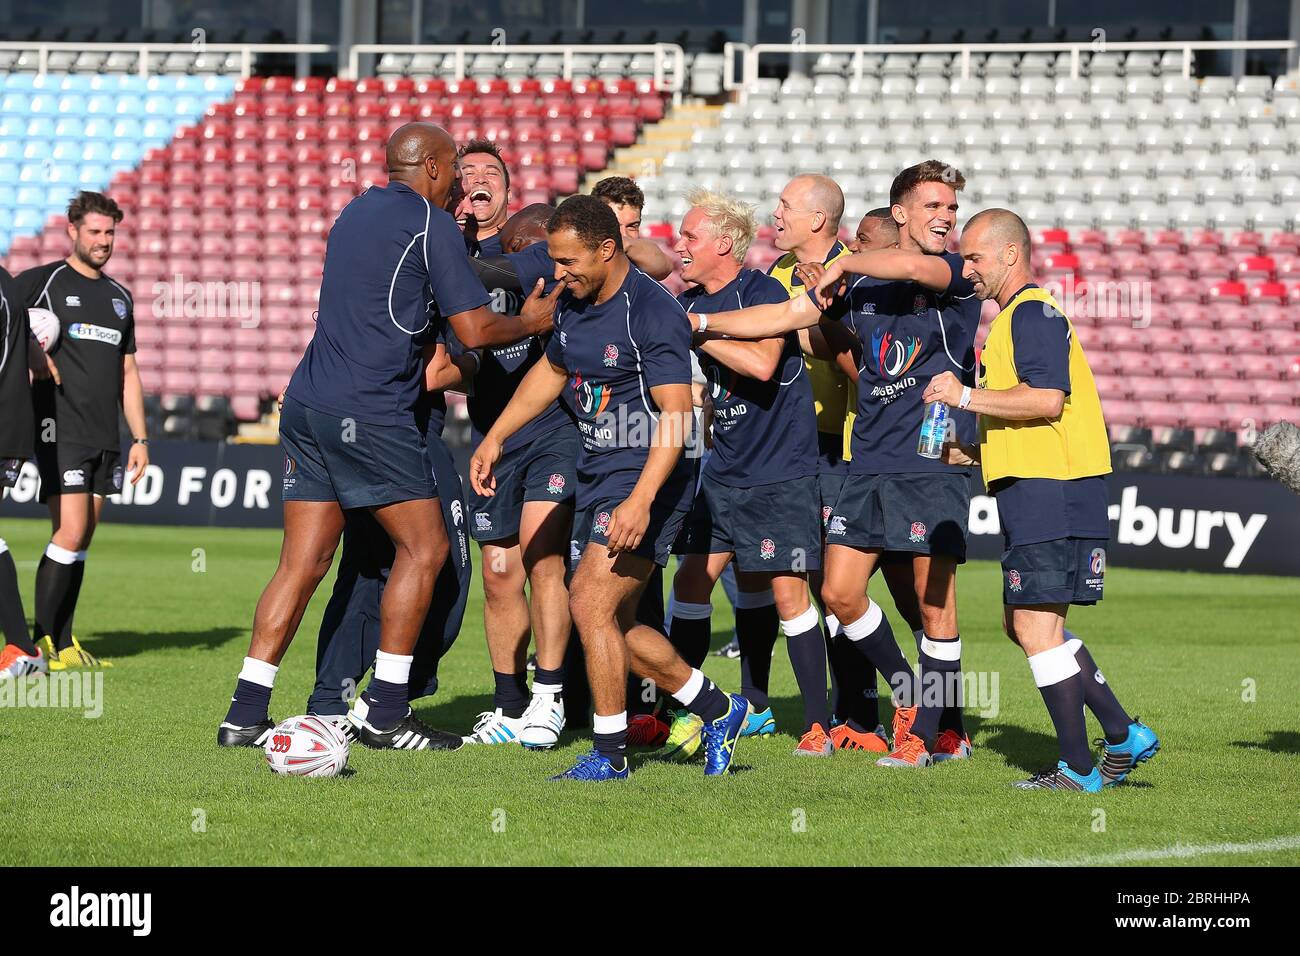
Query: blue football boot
point(1061, 777)
point(721, 735)
point(1119, 760)
point(759, 723)
point(594, 767)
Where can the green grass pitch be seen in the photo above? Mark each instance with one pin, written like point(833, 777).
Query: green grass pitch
point(1209, 661)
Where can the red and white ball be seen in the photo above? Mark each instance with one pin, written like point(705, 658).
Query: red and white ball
point(45, 326)
point(307, 747)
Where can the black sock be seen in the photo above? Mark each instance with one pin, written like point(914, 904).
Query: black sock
point(250, 703)
point(940, 681)
point(756, 642)
point(74, 594)
point(690, 638)
point(511, 694)
point(807, 651)
point(12, 619)
point(549, 677)
point(1101, 700)
point(612, 746)
point(577, 692)
point(388, 703)
point(881, 650)
point(710, 703)
point(1064, 700)
point(856, 702)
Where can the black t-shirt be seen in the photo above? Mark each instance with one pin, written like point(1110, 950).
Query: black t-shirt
point(16, 425)
point(97, 328)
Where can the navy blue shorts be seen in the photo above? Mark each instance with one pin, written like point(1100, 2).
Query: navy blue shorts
point(545, 469)
point(356, 464)
point(923, 513)
point(773, 527)
point(1060, 571)
point(666, 520)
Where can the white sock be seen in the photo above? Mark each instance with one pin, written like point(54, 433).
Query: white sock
point(1053, 665)
point(3, 546)
point(258, 672)
point(551, 689)
point(691, 689)
point(800, 624)
point(865, 625)
point(609, 724)
point(833, 625)
point(62, 555)
point(393, 668)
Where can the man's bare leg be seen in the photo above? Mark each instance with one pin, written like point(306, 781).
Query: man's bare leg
point(311, 534)
point(939, 656)
point(544, 541)
point(506, 623)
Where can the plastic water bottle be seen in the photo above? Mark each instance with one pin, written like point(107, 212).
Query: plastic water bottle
point(934, 429)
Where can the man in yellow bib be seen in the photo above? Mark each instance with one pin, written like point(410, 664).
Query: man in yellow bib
point(1044, 451)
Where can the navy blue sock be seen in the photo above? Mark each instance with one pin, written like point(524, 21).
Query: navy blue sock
point(808, 660)
point(511, 694)
point(710, 703)
point(756, 632)
point(546, 675)
point(1101, 700)
point(388, 703)
point(249, 705)
point(881, 650)
point(940, 681)
point(1064, 701)
point(690, 638)
point(855, 701)
point(612, 746)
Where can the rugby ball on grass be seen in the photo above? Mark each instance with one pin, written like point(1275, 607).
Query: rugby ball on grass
point(307, 747)
point(45, 326)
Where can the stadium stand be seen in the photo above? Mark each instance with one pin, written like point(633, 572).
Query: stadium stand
point(1177, 195)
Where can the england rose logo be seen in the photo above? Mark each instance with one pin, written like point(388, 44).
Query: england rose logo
point(611, 355)
point(602, 523)
point(1013, 580)
point(826, 513)
point(767, 549)
point(555, 485)
point(918, 531)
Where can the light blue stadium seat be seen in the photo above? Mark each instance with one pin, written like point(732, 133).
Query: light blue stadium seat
point(15, 102)
point(128, 104)
point(43, 104)
point(17, 81)
point(39, 127)
point(95, 152)
point(10, 149)
point(128, 129)
point(27, 220)
point(64, 150)
point(13, 127)
point(7, 194)
point(38, 150)
point(60, 195)
point(71, 127)
point(30, 196)
point(9, 172)
point(94, 175)
point(72, 104)
point(98, 128)
point(101, 104)
point(157, 128)
point(125, 150)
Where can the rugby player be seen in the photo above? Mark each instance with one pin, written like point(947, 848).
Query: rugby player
point(1043, 451)
point(350, 433)
point(523, 528)
point(915, 317)
point(621, 344)
point(79, 451)
point(17, 428)
point(485, 183)
point(757, 503)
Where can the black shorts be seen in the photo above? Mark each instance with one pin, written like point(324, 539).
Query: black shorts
point(68, 469)
point(1060, 571)
point(925, 513)
point(11, 470)
point(590, 525)
point(545, 469)
point(359, 465)
point(772, 527)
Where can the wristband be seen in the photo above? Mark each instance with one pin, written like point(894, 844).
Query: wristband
point(139, 441)
point(704, 322)
point(965, 397)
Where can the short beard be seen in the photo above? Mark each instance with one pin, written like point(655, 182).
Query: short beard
point(85, 256)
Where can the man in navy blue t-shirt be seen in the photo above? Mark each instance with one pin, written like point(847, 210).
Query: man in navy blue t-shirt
point(621, 348)
point(914, 316)
point(350, 433)
point(758, 502)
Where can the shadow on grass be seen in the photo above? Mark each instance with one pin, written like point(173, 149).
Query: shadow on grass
point(1030, 750)
point(118, 644)
point(1275, 741)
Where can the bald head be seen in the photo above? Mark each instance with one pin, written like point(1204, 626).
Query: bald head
point(526, 227)
point(995, 252)
point(1003, 226)
point(423, 156)
point(808, 215)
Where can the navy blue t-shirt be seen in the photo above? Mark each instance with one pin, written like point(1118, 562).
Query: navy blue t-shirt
point(391, 260)
point(532, 263)
point(503, 367)
point(909, 334)
point(763, 432)
point(615, 353)
point(1043, 509)
point(491, 246)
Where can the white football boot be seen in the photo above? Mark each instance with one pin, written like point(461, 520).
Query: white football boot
point(494, 727)
point(543, 721)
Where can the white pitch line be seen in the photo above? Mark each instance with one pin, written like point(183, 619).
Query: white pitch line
point(1179, 851)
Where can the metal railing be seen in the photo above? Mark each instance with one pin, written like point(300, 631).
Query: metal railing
point(143, 50)
point(669, 58)
point(964, 51)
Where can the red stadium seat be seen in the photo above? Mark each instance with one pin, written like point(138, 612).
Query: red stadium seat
point(1271, 292)
point(1228, 290)
point(1256, 267)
